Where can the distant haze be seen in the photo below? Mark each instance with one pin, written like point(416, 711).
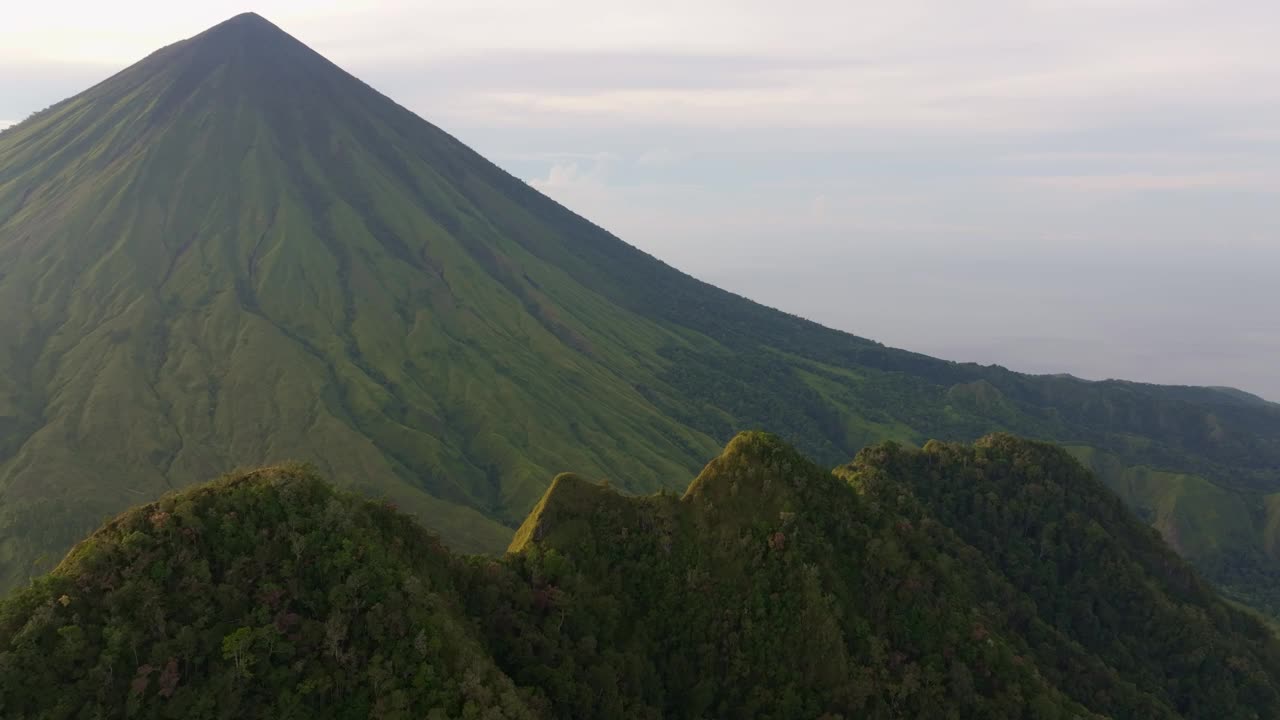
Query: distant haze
point(1086, 187)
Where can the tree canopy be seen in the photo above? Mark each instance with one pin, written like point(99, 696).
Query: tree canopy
point(998, 580)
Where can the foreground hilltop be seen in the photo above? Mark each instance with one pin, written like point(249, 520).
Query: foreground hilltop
point(998, 580)
point(235, 252)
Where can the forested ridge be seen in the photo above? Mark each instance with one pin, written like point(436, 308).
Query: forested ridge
point(994, 580)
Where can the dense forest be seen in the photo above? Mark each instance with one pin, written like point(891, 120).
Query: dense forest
point(995, 580)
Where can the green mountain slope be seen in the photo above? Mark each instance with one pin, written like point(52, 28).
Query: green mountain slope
point(771, 589)
point(234, 253)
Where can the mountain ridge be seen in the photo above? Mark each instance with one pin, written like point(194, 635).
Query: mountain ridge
point(235, 253)
point(770, 588)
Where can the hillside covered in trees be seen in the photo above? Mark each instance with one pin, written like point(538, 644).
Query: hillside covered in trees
point(998, 580)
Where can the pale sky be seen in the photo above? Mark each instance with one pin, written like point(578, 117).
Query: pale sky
point(1052, 185)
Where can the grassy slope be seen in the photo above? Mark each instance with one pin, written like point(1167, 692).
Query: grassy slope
point(234, 253)
point(1229, 535)
point(231, 303)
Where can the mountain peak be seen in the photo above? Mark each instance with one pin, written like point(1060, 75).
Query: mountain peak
point(249, 17)
point(248, 34)
point(241, 25)
point(569, 497)
point(244, 59)
point(753, 466)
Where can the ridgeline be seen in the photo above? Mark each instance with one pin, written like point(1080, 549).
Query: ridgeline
point(998, 580)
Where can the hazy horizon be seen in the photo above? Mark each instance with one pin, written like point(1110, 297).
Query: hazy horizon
point(1085, 188)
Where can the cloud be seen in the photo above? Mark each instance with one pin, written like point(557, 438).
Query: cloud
point(819, 206)
point(1257, 135)
point(565, 175)
point(576, 171)
point(1140, 181)
point(659, 158)
point(580, 181)
point(985, 67)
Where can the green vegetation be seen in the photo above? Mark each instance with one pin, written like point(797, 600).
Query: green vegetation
point(234, 252)
point(995, 581)
point(1090, 568)
point(263, 595)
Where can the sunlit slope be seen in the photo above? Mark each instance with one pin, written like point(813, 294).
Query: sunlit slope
point(235, 253)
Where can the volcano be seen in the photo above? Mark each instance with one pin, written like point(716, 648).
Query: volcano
point(234, 253)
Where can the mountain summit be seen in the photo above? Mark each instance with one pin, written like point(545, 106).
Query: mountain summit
point(234, 253)
point(247, 28)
